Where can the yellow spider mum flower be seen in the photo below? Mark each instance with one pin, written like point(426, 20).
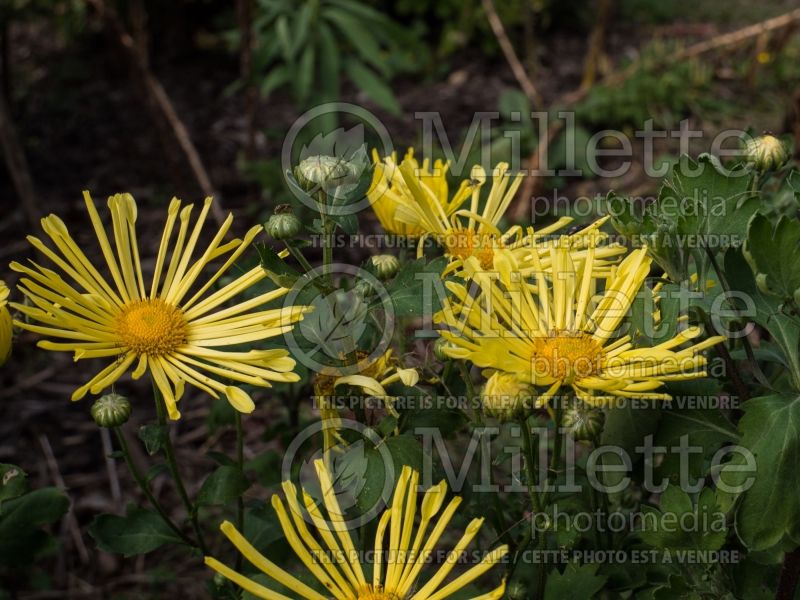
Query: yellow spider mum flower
point(6, 325)
point(389, 190)
point(172, 328)
point(557, 330)
point(471, 239)
point(372, 379)
point(328, 551)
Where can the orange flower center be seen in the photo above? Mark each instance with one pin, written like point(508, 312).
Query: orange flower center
point(151, 327)
point(463, 243)
point(566, 355)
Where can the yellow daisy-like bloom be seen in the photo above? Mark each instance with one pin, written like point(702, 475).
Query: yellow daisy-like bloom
point(389, 190)
point(372, 379)
point(172, 329)
point(6, 325)
point(557, 330)
point(472, 239)
point(328, 551)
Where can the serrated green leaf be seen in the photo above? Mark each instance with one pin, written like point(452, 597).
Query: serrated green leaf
point(140, 531)
point(767, 251)
point(713, 205)
point(224, 485)
point(680, 525)
point(770, 510)
point(577, 582)
point(408, 289)
point(705, 428)
point(784, 328)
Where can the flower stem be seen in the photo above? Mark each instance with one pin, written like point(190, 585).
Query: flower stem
point(298, 256)
point(240, 467)
point(530, 466)
point(536, 506)
point(142, 483)
point(172, 465)
point(555, 457)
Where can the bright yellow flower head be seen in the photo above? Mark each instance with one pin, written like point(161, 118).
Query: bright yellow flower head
point(389, 190)
point(328, 551)
point(171, 328)
point(556, 329)
point(6, 325)
point(471, 237)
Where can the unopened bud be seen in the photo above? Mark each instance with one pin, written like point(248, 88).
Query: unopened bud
point(323, 173)
point(111, 410)
point(504, 396)
point(766, 153)
point(385, 265)
point(283, 225)
point(584, 421)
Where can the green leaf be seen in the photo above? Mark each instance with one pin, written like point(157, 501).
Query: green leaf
point(713, 205)
point(140, 531)
point(705, 428)
point(577, 582)
point(13, 482)
point(338, 319)
point(364, 467)
point(304, 75)
point(21, 519)
point(769, 511)
point(362, 38)
point(767, 251)
point(224, 485)
point(372, 85)
point(625, 427)
point(278, 271)
point(278, 76)
point(408, 289)
point(680, 525)
point(261, 527)
point(784, 328)
point(153, 436)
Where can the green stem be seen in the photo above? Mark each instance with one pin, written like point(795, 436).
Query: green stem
point(328, 228)
point(172, 465)
point(605, 508)
point(240, 467)
point(530, 466)
point(298, 256)
point(555, 458)
point(142, 483)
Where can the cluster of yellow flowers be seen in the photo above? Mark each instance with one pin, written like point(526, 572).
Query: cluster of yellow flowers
point(538, 310)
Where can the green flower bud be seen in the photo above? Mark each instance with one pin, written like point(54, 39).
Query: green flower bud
point(504, 396)
point(439, 349)
point(766, 153)
point(364, 289)
point(283, 225)
point(385, 265)
point(323, 173)
point(583, 421)
point(111, 410)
